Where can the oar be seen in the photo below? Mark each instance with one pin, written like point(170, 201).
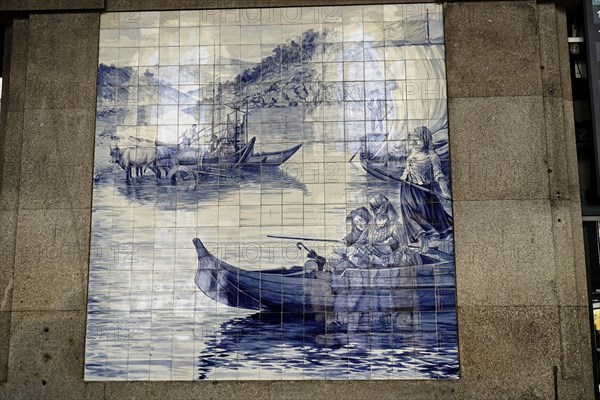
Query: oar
point(443, 196)
point(303, 238)
point(360, 148)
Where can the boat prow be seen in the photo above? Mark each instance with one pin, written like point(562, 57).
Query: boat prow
point(272, 158)
point(381, 171)
point(202, 252)
point(291, 289)
point(246, 152)
point(287, 154)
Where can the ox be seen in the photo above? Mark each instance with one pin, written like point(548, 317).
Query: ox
point(138, 157)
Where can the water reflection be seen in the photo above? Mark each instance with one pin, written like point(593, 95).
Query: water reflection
point(413, 345)
point(207, 190)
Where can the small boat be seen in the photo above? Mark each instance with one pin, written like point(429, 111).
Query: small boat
point(240, 157)
point(385, 168)
point(390, 167)
point(299, 289)
point(390, 171)
point(272, 158)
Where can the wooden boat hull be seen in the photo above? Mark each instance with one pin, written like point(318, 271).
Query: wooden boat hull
point(296, 290)
point(381, 171)
point(273, 158)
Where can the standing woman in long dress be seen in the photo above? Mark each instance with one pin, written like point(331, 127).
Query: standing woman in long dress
point(422, 212)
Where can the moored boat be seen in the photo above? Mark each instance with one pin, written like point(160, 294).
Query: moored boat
point(377, 162)
point(200, 157)
point(347, 289)
point(267, 158)
point(273, 158)
point(382, 170)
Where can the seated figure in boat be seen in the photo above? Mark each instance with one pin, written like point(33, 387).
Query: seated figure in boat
point(359, 220)
point(383, 241)
point(422, 212)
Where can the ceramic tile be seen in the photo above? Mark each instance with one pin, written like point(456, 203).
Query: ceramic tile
point(168, 19)
point(109, 38)
point(277, 195)
point(109, 56)
point(129, 38)
point(189, 18)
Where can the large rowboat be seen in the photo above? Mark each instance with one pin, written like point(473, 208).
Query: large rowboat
point(427, 287)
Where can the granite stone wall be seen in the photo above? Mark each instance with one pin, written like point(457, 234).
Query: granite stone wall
point(522, 291)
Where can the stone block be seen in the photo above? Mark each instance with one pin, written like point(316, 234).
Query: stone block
point(4, 344)
point(363, 390)
point(574, 389)
point(576, 357)
point(16, 75)
point(50, 5)
point(58, 93)
point(154, 5)
point(504, 253)
point(12, 137)
point(186, 390)
point(557, 147)
point(508, 352)
point(571, 276)
point(10, 181)
point(498, 148)
point(551, 66)
point(563, 51)
point(314, 390)
point(51, 260)
point(46, 357)
point(492, 49)
point(396, 390)
point(571, 152)
point(11, 161)
point(8, 233)
point(558, 107)
point(62, 60)
point(579, 255)
point(57, 169)
point(59, 41)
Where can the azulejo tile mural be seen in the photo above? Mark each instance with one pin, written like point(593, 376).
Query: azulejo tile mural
point(272, 196)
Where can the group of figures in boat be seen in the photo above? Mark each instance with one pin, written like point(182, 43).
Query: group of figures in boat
point(378, 268)
point(393, 259)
